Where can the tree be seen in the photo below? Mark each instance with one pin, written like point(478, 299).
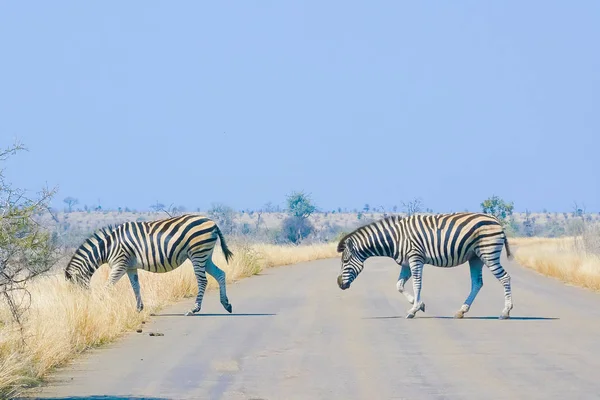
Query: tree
point(295, 229)
point(413, 207)
point(269, 207)
point(297, 226)
point(366, 208)
point(157, 206)
point(529, 224)
point(26, 249)
point(300, 205)
point(498, 208)
point(70, 202)
point(578, 211)
point(223, 215)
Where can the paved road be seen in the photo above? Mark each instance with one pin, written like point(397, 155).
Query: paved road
point(295, 335)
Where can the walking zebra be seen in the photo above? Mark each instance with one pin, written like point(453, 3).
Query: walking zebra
point(156, 246)
point(443, 240)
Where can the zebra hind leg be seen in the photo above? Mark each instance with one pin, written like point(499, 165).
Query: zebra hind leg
point(492, 261)
point(200, 272)
point(220, 277)
point(476, 268)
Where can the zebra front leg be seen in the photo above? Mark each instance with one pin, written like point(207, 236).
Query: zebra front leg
point(200, 273)
point(220, 277)
point(116, 273)
point(135, 284)
point(476, 269)
point(405, 275)
point(416, 269)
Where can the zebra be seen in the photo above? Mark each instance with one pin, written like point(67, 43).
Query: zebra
point(441, 240)
point(156, 246)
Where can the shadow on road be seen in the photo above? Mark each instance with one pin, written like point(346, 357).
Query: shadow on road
point(214, 315)
point(489, 317)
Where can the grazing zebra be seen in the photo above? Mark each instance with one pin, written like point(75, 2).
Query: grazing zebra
point(443, 240)
point(156, 246)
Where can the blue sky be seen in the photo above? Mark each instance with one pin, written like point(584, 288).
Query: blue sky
point(127, 103)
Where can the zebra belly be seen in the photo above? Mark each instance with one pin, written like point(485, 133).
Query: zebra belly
point(157, 266)
point(447, 264)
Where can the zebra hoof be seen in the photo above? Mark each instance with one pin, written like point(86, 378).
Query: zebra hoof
point(228, 308)
point(187, 314)
point(422, 308)
point(504, 316)
point(410, 316)
point(459, 314)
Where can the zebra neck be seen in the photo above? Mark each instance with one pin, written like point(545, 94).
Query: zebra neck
point(378, 245)
point(97, 250)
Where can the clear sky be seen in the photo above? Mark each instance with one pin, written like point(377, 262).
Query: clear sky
point(241, 102)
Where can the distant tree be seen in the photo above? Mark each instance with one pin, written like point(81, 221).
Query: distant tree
point(366, 207)
point(529, 224)
point(259, 214)
point(295, 229)
point(412, 207)
point(296, 226)
point(223, 215)
point(497, 207)
point(269, 207)
point(340, 210)
point(578, 211)
point(300, 205)
point(70, 202)
point(157, 206)
point(395, 209)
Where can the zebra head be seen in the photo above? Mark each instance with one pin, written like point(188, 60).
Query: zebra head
point(78, 271)
point(92, 253)
point(352, 264)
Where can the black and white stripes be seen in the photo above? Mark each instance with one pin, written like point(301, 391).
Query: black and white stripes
point(442, 240)
point(157, 246)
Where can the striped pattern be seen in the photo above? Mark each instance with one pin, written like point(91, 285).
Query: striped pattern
point(442, 240)
point(157, 246)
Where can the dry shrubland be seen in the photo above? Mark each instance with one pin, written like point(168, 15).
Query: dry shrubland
point(574, 260)
point(64, 320)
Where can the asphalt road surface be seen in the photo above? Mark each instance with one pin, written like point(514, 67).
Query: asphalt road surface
point(295, 335)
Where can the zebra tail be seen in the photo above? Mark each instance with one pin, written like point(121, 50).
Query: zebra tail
point(228, 254)
point(508, 253)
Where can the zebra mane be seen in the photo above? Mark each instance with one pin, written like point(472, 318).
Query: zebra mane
point(104, 231)
point(342, 243)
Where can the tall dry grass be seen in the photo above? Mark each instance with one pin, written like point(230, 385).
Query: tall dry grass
point(574, 260)
point(64, 321)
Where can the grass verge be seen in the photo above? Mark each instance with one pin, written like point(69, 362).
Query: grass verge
point(64, 321)
point(573, 260)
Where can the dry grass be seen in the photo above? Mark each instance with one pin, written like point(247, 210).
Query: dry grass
point(64, 321)
point(573, 260)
